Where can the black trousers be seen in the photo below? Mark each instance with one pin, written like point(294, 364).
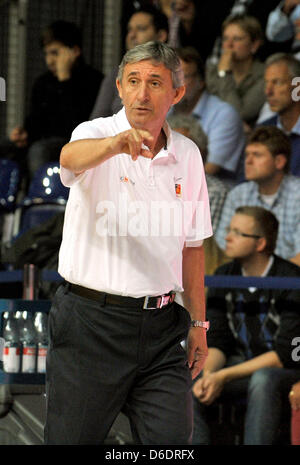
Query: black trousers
point(103, 359)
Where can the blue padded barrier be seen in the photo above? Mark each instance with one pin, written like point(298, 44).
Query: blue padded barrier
point(238, 282)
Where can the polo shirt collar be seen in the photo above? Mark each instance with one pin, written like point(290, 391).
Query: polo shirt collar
point(124, 125)
point(280, 191)
point(295, 129)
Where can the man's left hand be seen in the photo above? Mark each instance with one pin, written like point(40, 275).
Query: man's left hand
point(196, 349)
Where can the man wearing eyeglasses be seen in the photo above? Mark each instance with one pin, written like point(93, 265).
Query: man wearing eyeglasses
point(268, 185)
point(251, 333)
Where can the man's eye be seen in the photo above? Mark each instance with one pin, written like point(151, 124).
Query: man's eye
point(155, 84)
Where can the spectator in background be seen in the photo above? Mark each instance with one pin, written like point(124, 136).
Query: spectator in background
point(260, 10)
point(199, 23)
point(249, 341)
point(294, 397)
point(267, 156)
point(217, 190)
point(146, 24)
point(238, 78)
point(219, 120)
point(283, 98)
point(283, 24)
point(61, 98)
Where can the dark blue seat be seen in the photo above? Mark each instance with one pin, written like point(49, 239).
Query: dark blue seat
point(9, 184)
point(46, 197)
point(46, 187)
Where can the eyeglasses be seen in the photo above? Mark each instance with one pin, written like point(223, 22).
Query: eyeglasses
point(236, 232)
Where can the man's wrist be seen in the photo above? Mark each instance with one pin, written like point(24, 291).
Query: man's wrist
point(225, 375)
point(223, 72)
point(200, 324)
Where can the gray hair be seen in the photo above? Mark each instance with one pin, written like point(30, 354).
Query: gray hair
point(196, 133)
point(157, 52)
point(292, 63)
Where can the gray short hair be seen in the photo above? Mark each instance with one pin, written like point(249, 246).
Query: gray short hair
point(196, 133)
point(292, 63)
point(157, 52)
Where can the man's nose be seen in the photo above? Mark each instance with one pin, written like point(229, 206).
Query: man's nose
point(143, 94)
point(228, 236)
point(131, 34)
point(268, 89)
point(50, 60)
point(228, 43)
point(248, 159)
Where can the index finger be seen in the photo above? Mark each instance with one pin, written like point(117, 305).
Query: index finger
point(146, 135)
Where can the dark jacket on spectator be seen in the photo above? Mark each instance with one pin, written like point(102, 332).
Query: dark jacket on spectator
point(58, 107)
point(251, 323)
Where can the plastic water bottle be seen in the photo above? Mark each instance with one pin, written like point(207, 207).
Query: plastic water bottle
point(41, 328)
point(28, 341)
point(11, 349)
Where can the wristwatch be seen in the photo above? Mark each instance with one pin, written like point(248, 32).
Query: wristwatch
point(201, 324)
point(222, 73)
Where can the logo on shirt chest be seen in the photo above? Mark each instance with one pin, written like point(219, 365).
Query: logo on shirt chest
point(126, 179)
point(178, 187)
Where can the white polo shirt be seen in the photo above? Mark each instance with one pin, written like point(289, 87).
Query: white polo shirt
point(126, 221)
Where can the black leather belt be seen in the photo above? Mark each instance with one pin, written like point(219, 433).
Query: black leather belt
point(147, 303)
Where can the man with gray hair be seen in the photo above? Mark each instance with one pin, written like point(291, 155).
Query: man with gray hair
point(135, 221)
point(282, 89)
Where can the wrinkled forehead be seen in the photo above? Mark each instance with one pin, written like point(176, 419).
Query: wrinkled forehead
point(147, 67)
point(277, 70)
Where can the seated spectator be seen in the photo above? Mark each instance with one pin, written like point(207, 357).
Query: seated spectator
point(294, 397)
point(198, 24)
point(284, 99)
point(283, 24)
point(238, 76)
point(269, 186)
point(217, 190)
point(249, 341)
point(219, 120)
point(147, 23)
point(260, 10)
point(61, 98)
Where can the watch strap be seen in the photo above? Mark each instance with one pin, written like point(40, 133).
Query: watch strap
point(200, 324)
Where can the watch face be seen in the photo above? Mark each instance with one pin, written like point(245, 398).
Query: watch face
point(201, 324)
point(222, 73)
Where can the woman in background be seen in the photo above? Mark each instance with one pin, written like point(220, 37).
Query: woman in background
point(238, 77)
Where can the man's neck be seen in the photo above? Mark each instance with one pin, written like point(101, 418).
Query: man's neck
point(187, 105)
point(271, 185)
point(255, 265)
point(289, 117)
point(160, 142)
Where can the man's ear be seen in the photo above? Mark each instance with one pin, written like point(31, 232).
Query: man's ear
point(261, 244)
point(280, 161)
point(179, 93)
point(119, 87)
